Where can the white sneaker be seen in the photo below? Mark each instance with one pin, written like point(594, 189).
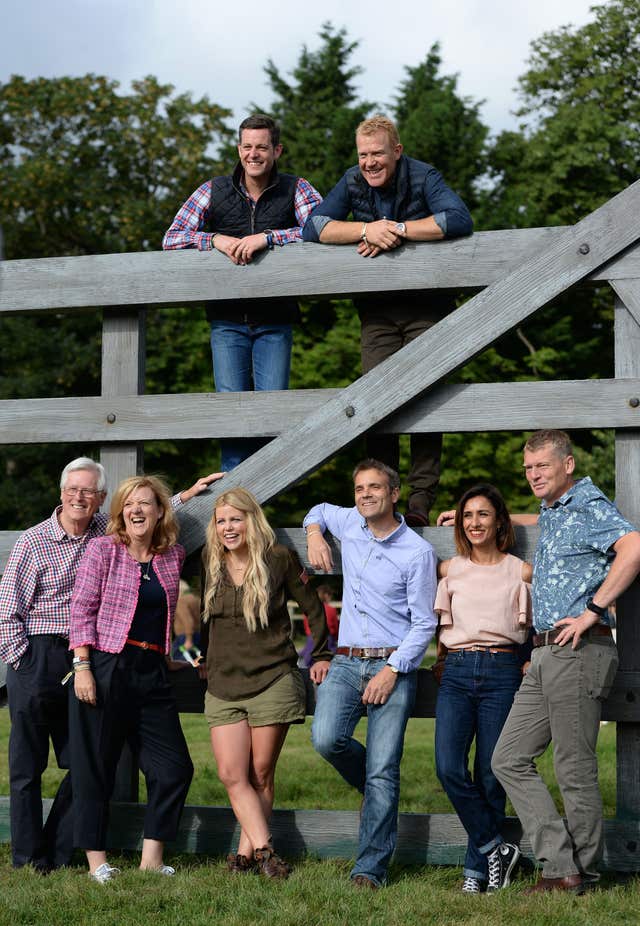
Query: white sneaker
point(165, 870)
point(104, 873)
point(472, 886)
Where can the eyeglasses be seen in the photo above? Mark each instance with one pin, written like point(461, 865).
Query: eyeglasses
point(81, 493)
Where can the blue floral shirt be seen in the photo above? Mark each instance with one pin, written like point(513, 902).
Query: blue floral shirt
point(574, 552)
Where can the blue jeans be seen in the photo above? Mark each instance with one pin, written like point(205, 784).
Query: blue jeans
point(246, 358)
point(375, 769)
point(474, 700)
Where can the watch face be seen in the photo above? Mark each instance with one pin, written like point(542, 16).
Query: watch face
point(401, 227)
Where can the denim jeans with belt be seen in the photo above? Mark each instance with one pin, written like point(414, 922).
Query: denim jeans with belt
point(474, 700)
point(373, 769)
point(246, 358)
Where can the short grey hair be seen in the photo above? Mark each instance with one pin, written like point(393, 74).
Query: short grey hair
point(85, 463)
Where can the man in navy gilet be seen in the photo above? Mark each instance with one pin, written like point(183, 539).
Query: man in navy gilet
point(251, 210)
point(392, 198)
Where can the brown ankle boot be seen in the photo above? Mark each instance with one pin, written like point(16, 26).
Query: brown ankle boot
point(240, 864)
point(271, 865)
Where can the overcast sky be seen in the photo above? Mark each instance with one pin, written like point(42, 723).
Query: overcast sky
point(220, 48)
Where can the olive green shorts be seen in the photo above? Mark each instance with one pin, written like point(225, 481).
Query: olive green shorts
point(282, 702)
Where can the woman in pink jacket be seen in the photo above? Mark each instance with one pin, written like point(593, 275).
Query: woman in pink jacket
point(122, 606)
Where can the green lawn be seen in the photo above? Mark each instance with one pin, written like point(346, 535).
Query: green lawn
point(318, 893)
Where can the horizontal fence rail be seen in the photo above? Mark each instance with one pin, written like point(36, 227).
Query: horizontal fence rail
point(302, 270)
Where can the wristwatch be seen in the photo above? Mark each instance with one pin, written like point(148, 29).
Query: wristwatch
point(393, 669)
point(596, 608)
point(269, 236)
point(401, 227)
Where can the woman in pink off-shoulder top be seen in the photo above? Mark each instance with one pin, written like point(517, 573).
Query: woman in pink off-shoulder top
point(484, 611)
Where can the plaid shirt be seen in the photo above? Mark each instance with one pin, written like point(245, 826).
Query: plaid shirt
point(35, 589)
point(105, 595)
point(186, 229)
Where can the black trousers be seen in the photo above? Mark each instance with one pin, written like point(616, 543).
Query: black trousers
point(38, 710)
point(135, 703)
point(386, 328)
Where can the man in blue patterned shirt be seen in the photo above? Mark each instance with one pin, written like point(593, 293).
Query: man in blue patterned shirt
point(587, 555)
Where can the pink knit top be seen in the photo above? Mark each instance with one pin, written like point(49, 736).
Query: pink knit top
point(483, 605)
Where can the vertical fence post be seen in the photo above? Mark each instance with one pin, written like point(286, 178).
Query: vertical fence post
point(627, 364)
point(123, 369)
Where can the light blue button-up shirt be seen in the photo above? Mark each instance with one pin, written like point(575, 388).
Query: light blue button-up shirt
point(573, 554)
point(389, 585)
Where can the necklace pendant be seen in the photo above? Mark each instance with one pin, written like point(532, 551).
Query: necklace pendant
point(146, 577)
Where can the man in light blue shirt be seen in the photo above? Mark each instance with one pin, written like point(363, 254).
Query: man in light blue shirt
point(587, 555)
point(386, 624)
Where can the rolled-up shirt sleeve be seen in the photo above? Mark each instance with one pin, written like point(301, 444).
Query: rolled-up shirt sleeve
point(421, 593)
point(336, 205)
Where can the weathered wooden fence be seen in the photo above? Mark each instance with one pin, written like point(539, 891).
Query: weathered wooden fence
point(514, 272)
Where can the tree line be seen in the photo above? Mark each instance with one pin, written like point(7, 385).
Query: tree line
point(89, 169)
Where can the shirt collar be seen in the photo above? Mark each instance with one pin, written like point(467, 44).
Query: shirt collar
point(59, 533)
point(394, 533)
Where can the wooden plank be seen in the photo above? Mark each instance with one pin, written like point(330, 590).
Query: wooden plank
point(423, 839)
point(456, 408)
point(123, 366)
point(432, 356)
point(123, 369)
point(627, 363)
point(309, 270)
point(440, 537)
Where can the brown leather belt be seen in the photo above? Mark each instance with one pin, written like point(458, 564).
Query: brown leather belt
point(143, 645)
point(486, 649)
point(366, 652)
point(550, 636)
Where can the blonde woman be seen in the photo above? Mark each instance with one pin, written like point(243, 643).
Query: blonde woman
point(122, 606)
point(254, 687)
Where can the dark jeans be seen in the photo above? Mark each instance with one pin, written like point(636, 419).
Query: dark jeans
point(474, 700)
point(384, 332)
point(135, 702)
point(38, 710)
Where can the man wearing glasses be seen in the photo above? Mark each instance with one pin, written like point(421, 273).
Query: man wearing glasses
point(35, 594)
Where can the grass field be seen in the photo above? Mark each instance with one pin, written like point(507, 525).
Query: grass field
point(318, 893)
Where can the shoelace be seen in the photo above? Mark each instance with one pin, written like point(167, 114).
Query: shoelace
point(471, 886)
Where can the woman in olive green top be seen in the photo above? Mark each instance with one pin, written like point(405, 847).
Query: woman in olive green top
point(254, 686)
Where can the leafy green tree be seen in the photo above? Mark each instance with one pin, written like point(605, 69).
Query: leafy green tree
point(441, 127)
point(87, 170)
point(319, 109)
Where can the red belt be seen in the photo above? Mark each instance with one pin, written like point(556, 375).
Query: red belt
point(144, 645)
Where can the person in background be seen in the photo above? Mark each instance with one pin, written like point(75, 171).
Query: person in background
point(186, 627)
point(255, 209)
point(483, 603)
point(325, 594)
point(255, 690)
point(122, 607)
point(386, 200)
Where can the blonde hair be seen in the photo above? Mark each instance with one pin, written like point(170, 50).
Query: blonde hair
point(260, 540)
point(379, 123)
point(166, 530)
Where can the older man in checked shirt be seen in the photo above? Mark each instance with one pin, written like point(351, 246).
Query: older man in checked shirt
point(386, 623)
point(240, 215)
point(35, 596)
